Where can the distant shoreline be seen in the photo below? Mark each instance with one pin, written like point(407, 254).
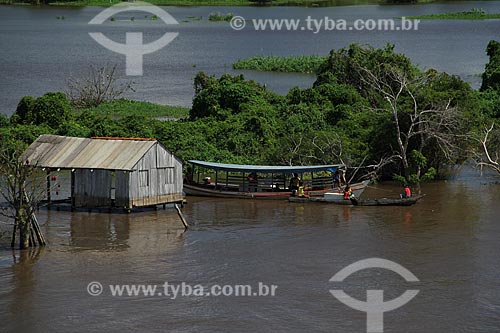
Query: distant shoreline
point(243, 3)
point(222, 3)
point(473, 14)
point(288, 64)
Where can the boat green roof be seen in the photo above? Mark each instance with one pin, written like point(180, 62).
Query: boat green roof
point(266, 168)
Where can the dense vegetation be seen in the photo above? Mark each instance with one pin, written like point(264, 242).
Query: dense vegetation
point(299, 64)
point(125, 107)
point(473, 14)
point(367, 105)
point(53, 114)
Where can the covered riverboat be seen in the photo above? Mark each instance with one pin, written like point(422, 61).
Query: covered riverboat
point(260, 181)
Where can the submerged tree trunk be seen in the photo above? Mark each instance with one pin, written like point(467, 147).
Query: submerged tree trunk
point(20, 189)
point(23, 225)
point(14, 233)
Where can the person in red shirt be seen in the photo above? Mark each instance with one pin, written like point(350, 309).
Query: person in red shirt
point(347, 192)
point(407, 193)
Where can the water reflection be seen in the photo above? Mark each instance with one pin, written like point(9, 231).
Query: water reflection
point(99, 231)
point(346, 213)
point(408, 218)
point(23, 285)
point(111, 231)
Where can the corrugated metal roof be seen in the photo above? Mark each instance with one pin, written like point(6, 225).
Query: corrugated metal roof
point(266, 168)
point(53, 151)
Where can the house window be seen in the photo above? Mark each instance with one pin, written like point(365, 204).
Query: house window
point(143, 178)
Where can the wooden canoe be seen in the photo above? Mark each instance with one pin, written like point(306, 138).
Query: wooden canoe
point(364, 202)
point(386, 201)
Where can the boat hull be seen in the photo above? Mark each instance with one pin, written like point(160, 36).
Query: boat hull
point(194, 190)
point(364, 202)
point(387, 201)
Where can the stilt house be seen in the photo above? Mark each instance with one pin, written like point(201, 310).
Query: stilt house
point(111, 172)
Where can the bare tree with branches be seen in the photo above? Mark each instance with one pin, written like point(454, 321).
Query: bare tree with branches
point(437, 123)
point(98, 86)
point(485, 157)
point(21, 188)
point(291, 148)
point(322, 148)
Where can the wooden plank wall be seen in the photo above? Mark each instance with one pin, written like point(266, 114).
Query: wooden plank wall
point(122, 180)
point(157, 180)
point(92, 189)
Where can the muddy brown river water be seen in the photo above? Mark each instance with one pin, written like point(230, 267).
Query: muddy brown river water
point(449, 241)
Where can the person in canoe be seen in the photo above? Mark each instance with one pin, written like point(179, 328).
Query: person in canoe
point(300, 192)
point(348, 195)
point(347, 192)
point(407, 193)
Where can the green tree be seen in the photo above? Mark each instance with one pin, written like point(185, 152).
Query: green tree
point(344, 67)
point(4, 121)
point(224, 96)
point(23, 110)
point(74, 129)
point(51, 109)
point(491, 75)
point(24, 133)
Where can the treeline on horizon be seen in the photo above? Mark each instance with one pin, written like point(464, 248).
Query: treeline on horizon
point(368, 106)
point(306, 3)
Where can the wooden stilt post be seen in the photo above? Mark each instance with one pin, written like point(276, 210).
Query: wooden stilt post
point(38, 232)
point(34, 227)
point(183, 220)
point(31, 236)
